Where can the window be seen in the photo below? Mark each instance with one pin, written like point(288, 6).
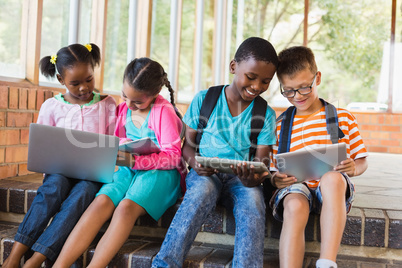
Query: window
point(116, 44)
point(351, 41)
point(397, 60)
point(186, 92)
point(349, 47)
point(57, 31)
point(160, 37)
point(12, 39)
point(160, 32)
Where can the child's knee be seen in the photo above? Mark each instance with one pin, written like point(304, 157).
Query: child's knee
point(126, 208)
point(102, 202)
point(202, 187)
point(333, 181)
point(256, 197)
point(295, 205)
point(89, 187)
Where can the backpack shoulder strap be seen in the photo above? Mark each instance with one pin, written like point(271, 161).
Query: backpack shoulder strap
point(331, 116)
point(257, 123)
point(287, 117)
point(286, 129)
point(207, 106)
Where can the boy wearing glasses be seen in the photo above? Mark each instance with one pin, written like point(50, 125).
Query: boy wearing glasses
point(332, 194)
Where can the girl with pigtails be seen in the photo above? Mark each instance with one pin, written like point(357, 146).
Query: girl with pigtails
point(144, 184)
point(61, 198)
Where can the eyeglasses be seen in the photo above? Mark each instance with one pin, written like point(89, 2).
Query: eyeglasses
point(290, 93)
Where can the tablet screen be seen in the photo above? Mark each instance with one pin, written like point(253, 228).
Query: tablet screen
point(224, 165)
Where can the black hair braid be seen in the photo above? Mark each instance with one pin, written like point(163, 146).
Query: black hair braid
point(166, 82)
point(171, 91)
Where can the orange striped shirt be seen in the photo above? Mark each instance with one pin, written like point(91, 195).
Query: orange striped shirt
point(311, 131)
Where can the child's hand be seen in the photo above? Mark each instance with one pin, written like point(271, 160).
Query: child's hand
point(125, 159)
point(204, 171)
point(280, 180)
point(348, 166)
point(247, 176)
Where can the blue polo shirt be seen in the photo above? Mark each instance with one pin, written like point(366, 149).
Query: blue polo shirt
point(227, 136)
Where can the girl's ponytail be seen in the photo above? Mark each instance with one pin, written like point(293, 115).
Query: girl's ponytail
point(47, 68)
point(95, 54)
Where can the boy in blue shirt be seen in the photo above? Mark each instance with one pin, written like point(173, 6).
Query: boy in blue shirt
point(226, 135)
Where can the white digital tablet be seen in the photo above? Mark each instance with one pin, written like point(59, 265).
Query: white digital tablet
point(311, 163)
point(224, 165)
point(140, 147)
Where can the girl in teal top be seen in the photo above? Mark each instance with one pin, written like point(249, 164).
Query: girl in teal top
point(144, 184)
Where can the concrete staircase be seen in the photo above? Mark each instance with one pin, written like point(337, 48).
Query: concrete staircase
point(372, 237)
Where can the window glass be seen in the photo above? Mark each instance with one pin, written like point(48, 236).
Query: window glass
point(84, 32)
point(207, 44)
point(116, 44)
point(397, 85)
point(186, 90)
point(55, 27)
point(55, 21)
point(280, 22)
point(351, 49)
point(160, 32)
point(12, 55)
point(160, 37)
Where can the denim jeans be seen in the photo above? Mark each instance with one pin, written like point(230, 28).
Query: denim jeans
point(200, 199)
point(65, 199)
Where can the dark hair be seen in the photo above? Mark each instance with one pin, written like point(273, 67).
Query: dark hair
point(148, 76)
point(295, 59)
point(258, 49)
point(68, 56)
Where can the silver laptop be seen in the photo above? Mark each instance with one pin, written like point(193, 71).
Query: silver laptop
point(72, 153)
point(311, 163)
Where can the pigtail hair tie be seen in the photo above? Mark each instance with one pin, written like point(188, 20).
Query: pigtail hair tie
point(88, 46)
point(53, 59)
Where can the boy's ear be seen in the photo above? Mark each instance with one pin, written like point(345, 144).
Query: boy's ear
point(232, 66)
point(60, 79)
point(318, 78)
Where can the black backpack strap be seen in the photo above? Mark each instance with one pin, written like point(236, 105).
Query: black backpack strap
point(257, 123)
point(331, 116)
point(207, 106)
point(286, 129)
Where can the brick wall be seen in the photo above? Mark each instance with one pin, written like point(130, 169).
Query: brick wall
point(19, 106)
point(381, 132)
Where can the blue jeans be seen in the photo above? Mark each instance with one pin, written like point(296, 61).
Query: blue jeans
point(65, 199)
point(200, 199)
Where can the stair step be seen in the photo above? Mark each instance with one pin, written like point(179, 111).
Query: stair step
point(369, 233)
point(139, 252)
